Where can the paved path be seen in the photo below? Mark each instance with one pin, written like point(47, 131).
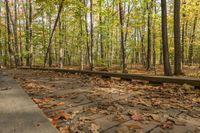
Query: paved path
point(111, 106)
point(18, 113)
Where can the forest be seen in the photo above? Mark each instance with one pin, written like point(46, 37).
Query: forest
point(99, 66)
point(100, 33)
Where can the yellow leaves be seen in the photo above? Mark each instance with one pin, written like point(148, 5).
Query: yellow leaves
point(47, 102)
point(64, 129)
point(94, 128)
point(93, 110)
point(196, 99)
point(60, 104)
point(61, 114)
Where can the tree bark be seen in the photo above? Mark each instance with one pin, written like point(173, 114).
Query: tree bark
point(123, 54)
point(91, 36)
point(167, 68)
point(53, 32)
point(177, 44)
point(8, 33)
point(149, 49)
point(17, 61)
point(30, 34)
point(191, 46)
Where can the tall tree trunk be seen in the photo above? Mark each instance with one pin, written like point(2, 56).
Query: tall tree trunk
point(183, 43)
point(61, 50)
point(177, 43)
point(167, 68)
point(1, 46)
point(91, 36)
point(17, 61)
point(87, 34)
point(8, 32)
point(30, 34)
point(81, 39)
point(154, 36)
point(123, 54)
point(50, 48)
point(149, 49)
point(20, 40)
point(101, 32)
point(53, 31)
point(191, 46)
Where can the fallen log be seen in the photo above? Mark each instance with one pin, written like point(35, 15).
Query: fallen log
point(152, 79)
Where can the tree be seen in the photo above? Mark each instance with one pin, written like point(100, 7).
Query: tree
point(177, 43)
point(123, 53)
point(91, 36)
point(8, 32)
point(167, 68)
point(30, 34)
point(191, 52)
point(53, 31)
point(149, 49)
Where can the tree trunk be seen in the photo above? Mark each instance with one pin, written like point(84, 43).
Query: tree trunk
point(191, 53)
point(91, 36)
point(17, 61)
point(8, 32)
point(167, 68)
point(30, 34)
point(53, 32)
point(183, 43)
point(1, 46)
point(177, 44)
point(123, 54)
point(149, 49)
point(101, 32)
point(154, 36)
point(20, 40)
point(61, 50)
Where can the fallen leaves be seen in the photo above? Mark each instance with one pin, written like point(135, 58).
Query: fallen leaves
point(167, 124)
point(54, 117)
point(64, 129)
point(47, 102)
point(147, 104)
point(137, 117)
point(94, 128)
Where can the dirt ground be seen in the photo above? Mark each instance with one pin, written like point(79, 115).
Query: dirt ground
point(81, 103)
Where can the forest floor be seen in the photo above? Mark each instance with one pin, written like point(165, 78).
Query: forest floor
point(77, 103)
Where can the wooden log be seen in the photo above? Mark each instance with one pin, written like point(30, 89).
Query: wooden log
point(153, 79)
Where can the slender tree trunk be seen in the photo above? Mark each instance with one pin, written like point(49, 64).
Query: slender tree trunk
point(123, 55)
point(81, 40)
point(149, 50)
point(191, 46)
point(30, 34)
point(1, 46)
point(61, 50)
point(17, 61)
point(20, 40)
point(101, 32)
point(167, 68)
point(154, 36)
point(91, 35)
point(8, 32)
point(177, 43)
point(50, 47)
point(183, 43)
point(87, 34)
point(53, 32)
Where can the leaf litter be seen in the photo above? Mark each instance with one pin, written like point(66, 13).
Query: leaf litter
point(59, 96)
